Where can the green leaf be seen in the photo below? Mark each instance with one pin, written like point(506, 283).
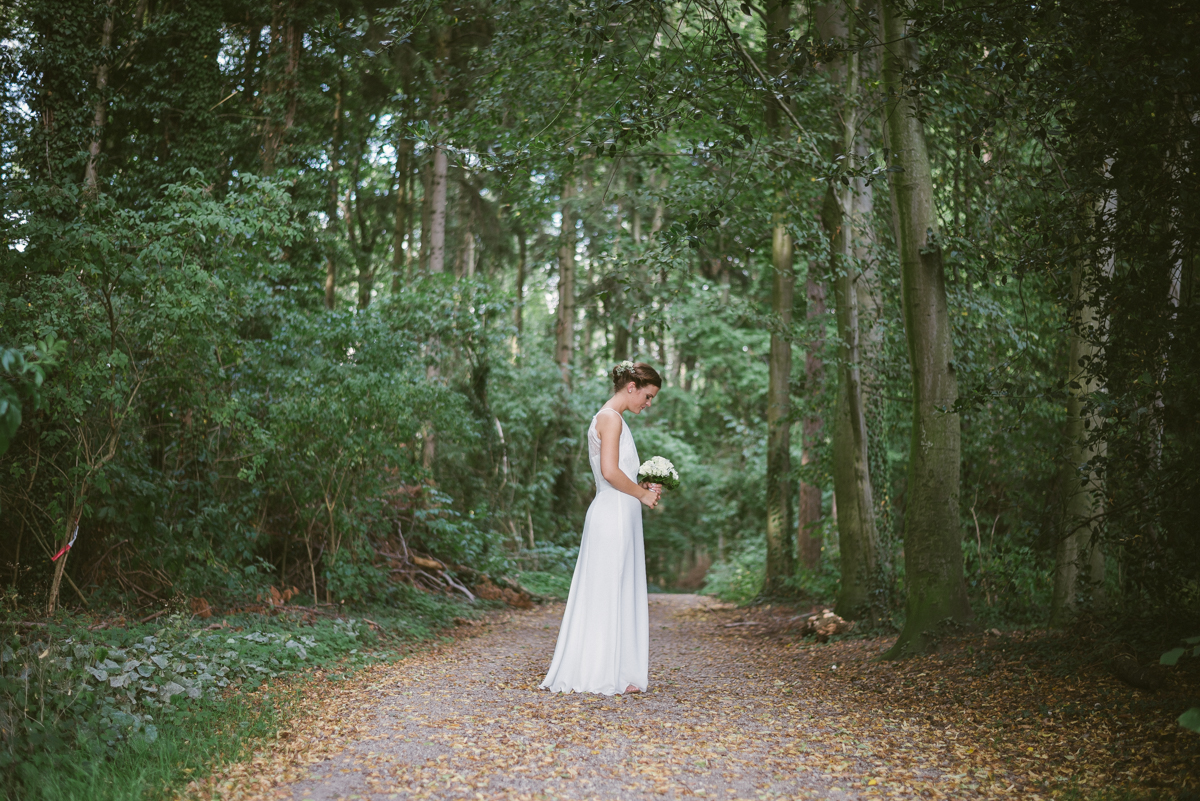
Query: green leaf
point(1172, 656)
point(1191, 719)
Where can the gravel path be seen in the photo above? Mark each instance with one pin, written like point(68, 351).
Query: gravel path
point(465, 721)
point(739, 707)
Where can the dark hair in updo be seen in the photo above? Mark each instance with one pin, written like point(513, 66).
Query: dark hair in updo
point(641, 374)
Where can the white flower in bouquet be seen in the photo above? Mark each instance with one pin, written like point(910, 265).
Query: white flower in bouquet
point(657, 470)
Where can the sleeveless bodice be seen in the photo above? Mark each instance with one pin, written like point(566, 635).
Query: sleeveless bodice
point(627, 459)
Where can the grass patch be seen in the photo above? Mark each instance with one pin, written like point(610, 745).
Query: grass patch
point(135, 712)
point(547, 585)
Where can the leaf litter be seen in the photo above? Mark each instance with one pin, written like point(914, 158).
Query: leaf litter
point(751, 712)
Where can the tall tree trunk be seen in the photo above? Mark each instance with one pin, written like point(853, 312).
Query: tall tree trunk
point(620, 330)
point(870, 299)
point(858, 540)
point(412, 255)
point(402, 228)
point(250, 65)
point(870, 303)
point(808, 517)
point(1078, 553)
point(437, 211)
point(564, 328)
point(780, 561)
point(519, 300)
point(331, 207)
point(933, 564)
point(100, 108)
point(466, 253)
point(565, 495)
point(618, 310)
point(440, 167)
point(286, 41)
point(808, 531)
point(426, 175)
point(404, 148)
point(870, 326)
point(358, 234)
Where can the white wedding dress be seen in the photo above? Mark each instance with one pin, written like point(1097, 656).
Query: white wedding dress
point(604, 643)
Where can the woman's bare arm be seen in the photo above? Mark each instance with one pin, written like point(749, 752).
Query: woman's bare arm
point(608, 426)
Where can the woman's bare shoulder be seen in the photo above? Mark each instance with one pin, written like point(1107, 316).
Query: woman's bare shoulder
point(608, 423)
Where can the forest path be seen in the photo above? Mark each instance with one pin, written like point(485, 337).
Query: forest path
point(729, 715)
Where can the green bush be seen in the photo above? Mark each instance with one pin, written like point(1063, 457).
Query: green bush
point(739, 578)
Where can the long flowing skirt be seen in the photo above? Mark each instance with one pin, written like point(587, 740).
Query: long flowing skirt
point(604, 642)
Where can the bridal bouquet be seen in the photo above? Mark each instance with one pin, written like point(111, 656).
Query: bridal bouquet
point(658, 470)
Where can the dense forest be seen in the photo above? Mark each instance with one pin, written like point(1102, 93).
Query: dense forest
point(289, 285)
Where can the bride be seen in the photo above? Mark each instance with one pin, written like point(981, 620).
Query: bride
point(604, 642)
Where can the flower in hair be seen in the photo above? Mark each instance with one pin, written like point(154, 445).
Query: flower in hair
point(624, 368)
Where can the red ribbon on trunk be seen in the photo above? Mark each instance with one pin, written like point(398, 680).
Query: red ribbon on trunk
point(66, 547)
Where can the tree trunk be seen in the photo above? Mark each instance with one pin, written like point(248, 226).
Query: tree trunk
point(437, 211)
point(870, 299)
point(858, 540)
point(781, 560)
point(808, 533)
point(564, 328)
point(936, 591)
point(426, 173)
point(331, 210)
point(404, 149)
point(250, 66)
point(519, 301)
point(466, 253)
point(619, 311)
point(870, 346)
point(780, 565)
point(1083, 487)
point(286, 42)
point(412, 255)
point(402, 228)
point(360, 236)
point(620, 331)
point(60, 564)
point(438, 174)
point(100, 110)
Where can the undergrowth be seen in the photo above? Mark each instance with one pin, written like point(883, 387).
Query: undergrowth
point(97, 712)
point(546, 584)
point(739, 578)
